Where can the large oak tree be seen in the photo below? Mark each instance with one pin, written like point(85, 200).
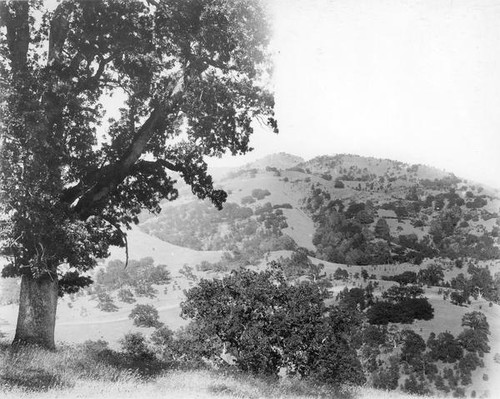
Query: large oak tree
point(192, 75)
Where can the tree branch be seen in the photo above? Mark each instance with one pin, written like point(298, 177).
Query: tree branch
point(108, 178)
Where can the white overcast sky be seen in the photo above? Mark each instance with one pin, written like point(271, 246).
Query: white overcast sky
point(412, 80)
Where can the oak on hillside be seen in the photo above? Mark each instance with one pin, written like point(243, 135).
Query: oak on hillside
point(191, 73)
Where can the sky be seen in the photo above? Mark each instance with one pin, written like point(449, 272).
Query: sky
point(416, 81)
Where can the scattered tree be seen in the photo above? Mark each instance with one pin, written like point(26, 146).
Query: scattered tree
point(145, 316)
point(477, 321)
point(125, 295)
point(457, 298)
point(431, 275)
point(106, 303)
point(382, 229)
point(413, 346)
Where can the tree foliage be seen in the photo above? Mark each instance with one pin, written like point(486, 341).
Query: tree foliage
point(413, 346)
point(145, 316)
point(431, 275)
point(477, 321)
point(399, 293)
point(404, 311)
point(444, 347)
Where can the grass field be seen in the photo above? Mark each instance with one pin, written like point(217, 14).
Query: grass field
point(78, 371)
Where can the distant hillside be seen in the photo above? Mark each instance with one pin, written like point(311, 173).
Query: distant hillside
point(343, 208)
point(281, 160)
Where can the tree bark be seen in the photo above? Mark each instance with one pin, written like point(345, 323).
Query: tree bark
point(37, 311)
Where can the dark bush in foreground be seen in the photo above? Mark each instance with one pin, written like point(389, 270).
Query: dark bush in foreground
point(266, 323)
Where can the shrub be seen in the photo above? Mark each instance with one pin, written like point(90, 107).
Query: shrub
point(406, 311)
point(125, 295)
point(145, 289)
point(284, 206)
point(398, 293)
point(162, 340)
point(135, 346)
point(247, 200)
point(387, 379)
point(340, 274)
point(145, 316)
point(267, 323)
point(106, 303)
point(413, 386)
point(457, 298)
point(260, 194)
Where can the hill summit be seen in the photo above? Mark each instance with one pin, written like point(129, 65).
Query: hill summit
point(281, 160)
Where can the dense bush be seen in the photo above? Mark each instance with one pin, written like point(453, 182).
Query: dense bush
point(135, 345)
point(267, 323)
point(406, 311)
point(403, 278)
point(145, 316)
point(339, 184)
point(260, 194)
point(457, 298)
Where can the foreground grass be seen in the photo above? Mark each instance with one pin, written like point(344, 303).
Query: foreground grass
point(87, 371)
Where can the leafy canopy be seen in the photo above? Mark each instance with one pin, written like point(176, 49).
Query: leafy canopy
point(191, 75)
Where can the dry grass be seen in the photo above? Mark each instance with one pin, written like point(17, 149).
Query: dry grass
point(89, 372)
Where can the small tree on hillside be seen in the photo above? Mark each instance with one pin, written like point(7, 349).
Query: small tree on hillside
point(340, 274)
point(339, 184)
point(413, 346)
point(457, 298)
point(477, 321)
point(125, 295)
point(106, 303)
point(432, 275)
point(382, 229)
point(474, 341)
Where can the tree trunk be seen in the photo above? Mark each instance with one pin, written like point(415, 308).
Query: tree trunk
point(37, 311)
